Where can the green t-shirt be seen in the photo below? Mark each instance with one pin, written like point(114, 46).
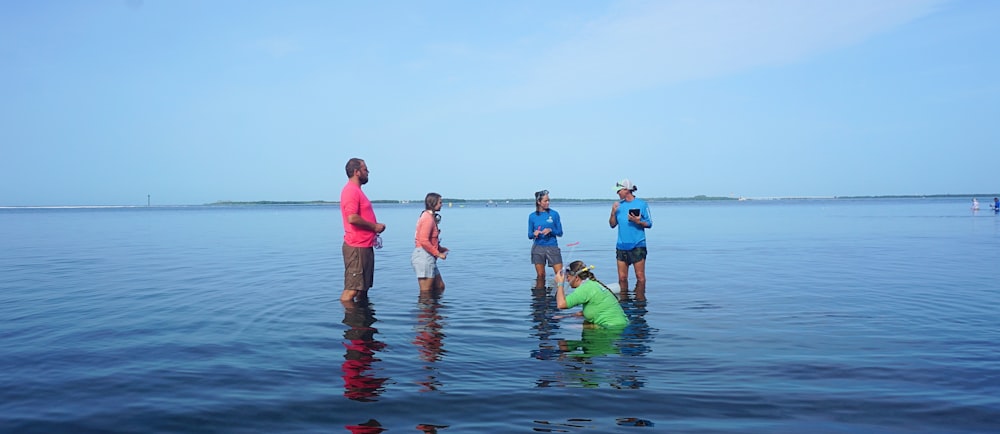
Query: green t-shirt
point(600, 306)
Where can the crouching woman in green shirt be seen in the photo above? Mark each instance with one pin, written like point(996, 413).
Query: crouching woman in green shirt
point(600, 304)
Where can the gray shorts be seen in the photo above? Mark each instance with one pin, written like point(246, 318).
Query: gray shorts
point(546, 254)
point(424, 264)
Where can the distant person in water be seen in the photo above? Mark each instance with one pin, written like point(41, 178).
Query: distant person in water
point(975, 203)
point(428, 249)
point(996, 204)
point(632, 217)
point(600, 305)
point(544, 227)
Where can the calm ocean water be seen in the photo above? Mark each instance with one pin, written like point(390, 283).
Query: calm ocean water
point(820, 316)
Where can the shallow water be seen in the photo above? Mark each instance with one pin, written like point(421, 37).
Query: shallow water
point(763, 316)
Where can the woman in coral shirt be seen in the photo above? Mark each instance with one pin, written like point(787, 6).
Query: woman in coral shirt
point(428, 249)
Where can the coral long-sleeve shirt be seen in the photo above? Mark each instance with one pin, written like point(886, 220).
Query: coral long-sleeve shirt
point(427, 234)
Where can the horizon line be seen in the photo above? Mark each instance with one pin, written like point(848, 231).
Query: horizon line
point(525, 200)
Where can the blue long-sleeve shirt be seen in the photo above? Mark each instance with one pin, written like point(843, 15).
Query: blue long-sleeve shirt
point(545, 220)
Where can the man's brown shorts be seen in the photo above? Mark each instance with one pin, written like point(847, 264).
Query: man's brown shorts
point(359, 268)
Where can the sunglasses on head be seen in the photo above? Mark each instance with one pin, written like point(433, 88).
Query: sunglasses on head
point(541, 194)
point(567, 272)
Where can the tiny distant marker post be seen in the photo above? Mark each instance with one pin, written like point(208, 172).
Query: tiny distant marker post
point(147, 200)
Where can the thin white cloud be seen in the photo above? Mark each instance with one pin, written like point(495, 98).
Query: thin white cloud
point(650, 44)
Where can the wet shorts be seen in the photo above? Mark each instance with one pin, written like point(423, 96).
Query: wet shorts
point(359, 268)
point(424, 263)
point(630, 257)
point(545, 254)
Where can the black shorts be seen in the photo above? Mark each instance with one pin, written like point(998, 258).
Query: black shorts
point(630, 257)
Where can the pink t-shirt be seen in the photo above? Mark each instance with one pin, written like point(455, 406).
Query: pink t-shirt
point(427, 234)
point(354, 201)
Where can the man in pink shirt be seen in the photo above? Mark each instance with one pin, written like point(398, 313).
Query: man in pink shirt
point(360, 232)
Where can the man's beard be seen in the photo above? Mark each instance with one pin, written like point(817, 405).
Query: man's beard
point(363, 179)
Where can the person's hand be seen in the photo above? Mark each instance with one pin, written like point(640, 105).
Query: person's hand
point(614, 207)
point(546, 231)
point(443, 255)
point(379, 228)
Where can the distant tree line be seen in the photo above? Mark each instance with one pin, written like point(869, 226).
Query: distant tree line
point(699, 197)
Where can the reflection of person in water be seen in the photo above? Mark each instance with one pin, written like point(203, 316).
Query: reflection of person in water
point(429, 338)
point(542, 309)
point(370, 427)
point(359, 382)
point(594, 341)
point(427, 428)
point(580, 357)
point(637, 335)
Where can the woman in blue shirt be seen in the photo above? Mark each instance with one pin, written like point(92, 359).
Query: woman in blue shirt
point(632, 217)
point(543, 228)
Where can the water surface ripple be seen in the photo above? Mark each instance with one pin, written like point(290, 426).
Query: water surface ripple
point(777, 316)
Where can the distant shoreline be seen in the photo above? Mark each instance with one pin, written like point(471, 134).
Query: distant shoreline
point(986, 197)
point(648, 199)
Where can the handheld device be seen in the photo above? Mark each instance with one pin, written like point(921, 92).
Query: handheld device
point(634, 211)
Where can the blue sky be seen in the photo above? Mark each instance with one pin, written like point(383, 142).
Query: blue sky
point(106, 102)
